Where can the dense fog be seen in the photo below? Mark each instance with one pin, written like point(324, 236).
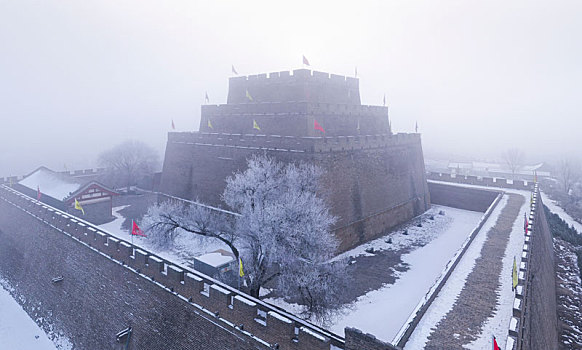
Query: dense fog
point(478, 77)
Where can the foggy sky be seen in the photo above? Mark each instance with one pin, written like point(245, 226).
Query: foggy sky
point(77, 77)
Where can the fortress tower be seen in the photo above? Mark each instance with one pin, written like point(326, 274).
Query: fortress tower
point(374, 179)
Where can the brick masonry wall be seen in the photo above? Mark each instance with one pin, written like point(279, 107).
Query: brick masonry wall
point(295, 119)
point(540, 329)
point(461, 197)
point(96, 213)
point(482, 181)
point(370, 190)
point(356, 339)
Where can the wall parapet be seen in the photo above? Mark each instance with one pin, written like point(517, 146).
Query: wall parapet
point(73, 173)
point(294, 143)
point(293, 108)
point(228, 305)
point(294, 75)
point(481, 181)
point(529, 328)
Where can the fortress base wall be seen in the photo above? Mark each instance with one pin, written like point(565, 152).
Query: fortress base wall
point(369, 188)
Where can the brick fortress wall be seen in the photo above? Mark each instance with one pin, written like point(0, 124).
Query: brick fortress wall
point(536, 304)
point(372, 182)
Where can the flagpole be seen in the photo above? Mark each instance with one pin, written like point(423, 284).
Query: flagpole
point(131, 232)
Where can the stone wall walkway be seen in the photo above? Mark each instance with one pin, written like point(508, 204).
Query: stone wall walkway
point(478, 298)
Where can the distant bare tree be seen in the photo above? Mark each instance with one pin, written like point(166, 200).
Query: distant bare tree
point(128, 162)
point(514, 158)
point(569, 172)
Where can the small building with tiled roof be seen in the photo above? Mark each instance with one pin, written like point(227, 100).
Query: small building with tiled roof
point(61, 190)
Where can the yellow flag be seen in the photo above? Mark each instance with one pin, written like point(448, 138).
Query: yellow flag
point(210, 124)
point(240, 268)
point(78, 206)
point(255, 125)
point(514, 275)
point(249, 96)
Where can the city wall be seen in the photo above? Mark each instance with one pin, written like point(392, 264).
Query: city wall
point(371, 182)
point(83, 283)
point(534, 324)
point(482, 181)
point(474, 199)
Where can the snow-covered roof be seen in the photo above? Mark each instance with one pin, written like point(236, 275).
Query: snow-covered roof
point(217, 258)
point(51, 183)
point(531, 167)
point(59, 186)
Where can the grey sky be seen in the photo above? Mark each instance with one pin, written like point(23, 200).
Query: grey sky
point(77, 77)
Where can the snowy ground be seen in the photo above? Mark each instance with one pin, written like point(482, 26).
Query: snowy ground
point(498, 324)
point(556, 209)
point(428, 249)
point(17, 329)
point(383, 312)
point(187, 246)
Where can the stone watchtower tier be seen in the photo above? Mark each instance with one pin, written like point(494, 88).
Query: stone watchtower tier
point(374, 179)
point(288, 105)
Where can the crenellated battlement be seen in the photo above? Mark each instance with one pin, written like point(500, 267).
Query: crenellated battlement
point(235, 310)
point(301, 75)
point(298, 85)
point(294, 143)
point(93, 172)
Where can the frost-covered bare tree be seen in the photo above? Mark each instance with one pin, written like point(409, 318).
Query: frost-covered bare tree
point(169, 219)
point(128, 162)
point(514, 158)
point(282, 234)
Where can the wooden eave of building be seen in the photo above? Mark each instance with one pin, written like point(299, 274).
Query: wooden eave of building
point(84, 190)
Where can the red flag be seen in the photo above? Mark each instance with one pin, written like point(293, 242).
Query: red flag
point(38, 194)
point(173, 126)
point(526, 223)
point(316, 126)
point(135, 230)
point(305, 61)
point(495, 346)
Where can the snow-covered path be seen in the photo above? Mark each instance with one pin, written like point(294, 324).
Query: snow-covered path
point(498, 323)
point(383, 312)
point(17, 329)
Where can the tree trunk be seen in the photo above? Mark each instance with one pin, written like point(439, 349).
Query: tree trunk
point(254, 291)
